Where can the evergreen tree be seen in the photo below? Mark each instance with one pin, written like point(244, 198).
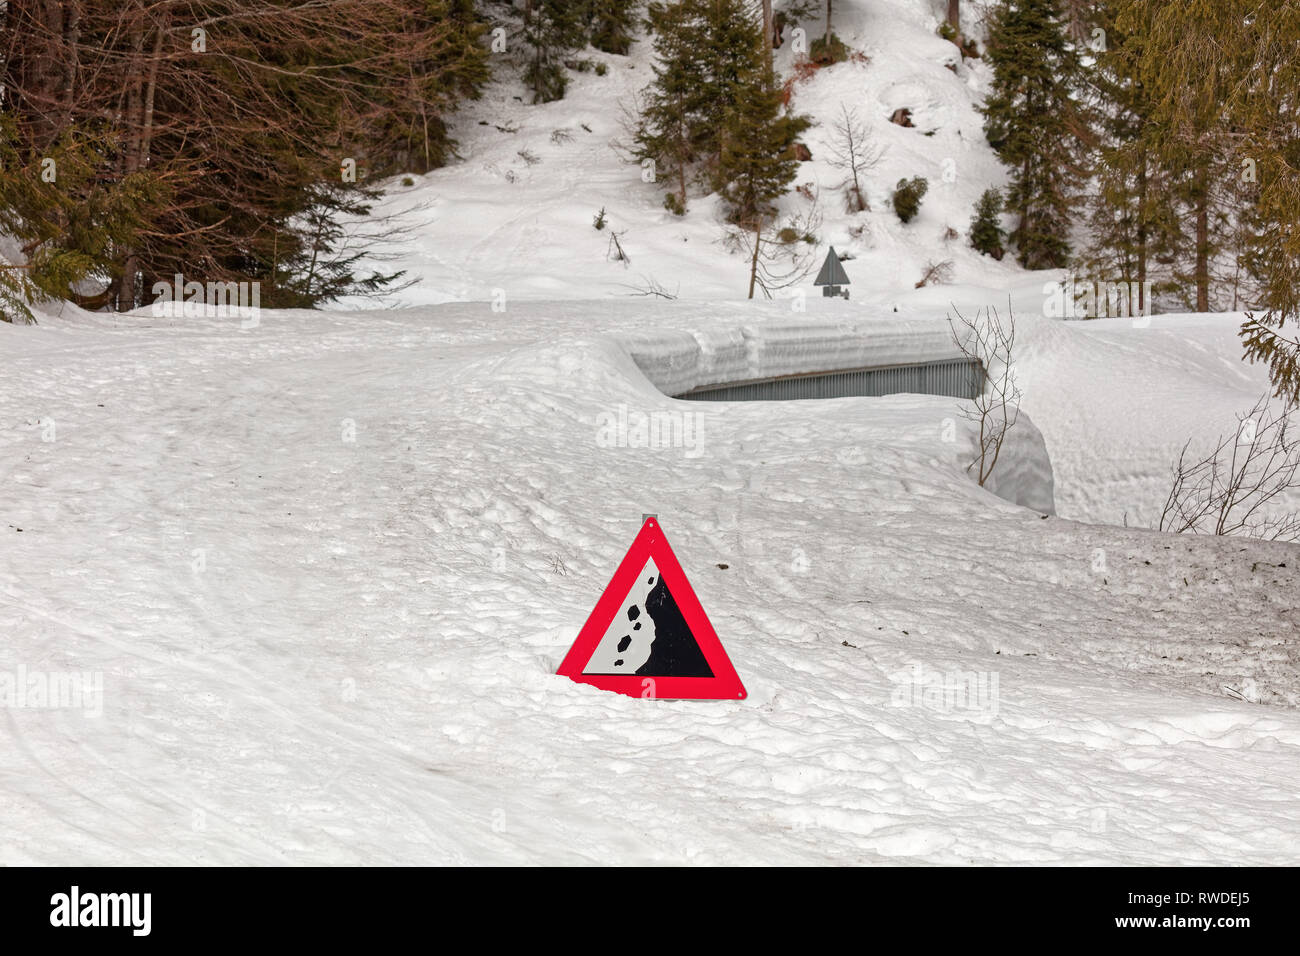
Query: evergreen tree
point(1134, 226)
point(66, 219)
point(1268, 339)
point(1263, 107)
point(202, 151)
point(1192, 56)
point(907, 197)
point(673, 124)
point(1032, 121)
point(735, 63)
point(324, 267)
point(758, 164)
point(986, 235)
point(552, 29)
point(612, 24)
point(713, 111)
point(402, 125)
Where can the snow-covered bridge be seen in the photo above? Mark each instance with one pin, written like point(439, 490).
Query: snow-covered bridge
point(806, 359)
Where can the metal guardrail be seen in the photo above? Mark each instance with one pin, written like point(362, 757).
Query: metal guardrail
point(957, 378)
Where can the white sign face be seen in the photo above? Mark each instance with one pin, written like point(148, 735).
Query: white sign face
point(631, 635)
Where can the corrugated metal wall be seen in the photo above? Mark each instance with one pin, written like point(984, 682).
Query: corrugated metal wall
point(957, 378)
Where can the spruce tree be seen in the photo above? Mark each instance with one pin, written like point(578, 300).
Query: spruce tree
point(67, 220)
point(552, 28)
point(1263, 108)
point(402, 126)
point(735, 63)
point(1270, 340)
point(202, 154)
point(1134, 223)
point(324, 268)
point(713, 111)
point(1193, 55)
point(986, 235)
point(673, 124)
point(612, 24)
point(1031, 120)
point(907, 197)
point(758, 164)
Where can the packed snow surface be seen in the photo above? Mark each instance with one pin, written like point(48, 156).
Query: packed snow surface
point(326, 567)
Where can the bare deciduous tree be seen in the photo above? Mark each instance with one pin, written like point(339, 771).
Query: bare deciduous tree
point(1230, 489)
point(778, 255)
point(996, 408)
point(852, 151)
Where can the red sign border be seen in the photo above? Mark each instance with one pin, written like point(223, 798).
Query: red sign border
point(725, 683)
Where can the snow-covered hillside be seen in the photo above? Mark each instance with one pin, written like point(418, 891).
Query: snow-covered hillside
point(515, 214)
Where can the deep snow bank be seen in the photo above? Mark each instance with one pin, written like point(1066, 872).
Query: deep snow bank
point(1117, 399)
point(678, 360)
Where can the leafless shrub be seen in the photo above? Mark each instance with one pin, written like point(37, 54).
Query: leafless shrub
point(650, 286)
point(1228, 490)
point(528, 156)
point(614, 248)
point(990, 341)
point(561, 136)
point(936, 273)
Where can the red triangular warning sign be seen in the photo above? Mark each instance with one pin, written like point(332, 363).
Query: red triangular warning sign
point(648, 635)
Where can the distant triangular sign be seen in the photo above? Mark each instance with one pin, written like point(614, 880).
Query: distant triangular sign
point(648, 636)
point(832, 272)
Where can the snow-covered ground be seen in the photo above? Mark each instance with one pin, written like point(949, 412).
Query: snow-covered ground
point(326, 568)
point(303, 585)
point(1121, 397)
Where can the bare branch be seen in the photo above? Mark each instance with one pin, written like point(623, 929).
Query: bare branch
point(1230, 490)
point(990, 342)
